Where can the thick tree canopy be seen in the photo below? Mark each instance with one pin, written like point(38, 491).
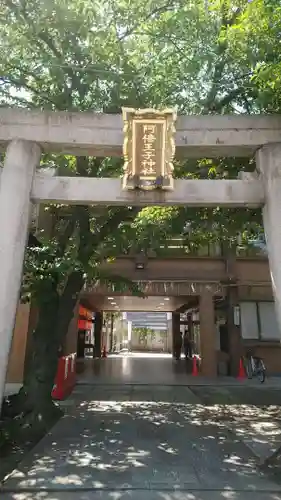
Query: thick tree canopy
point(215, 56)
point(200, 56)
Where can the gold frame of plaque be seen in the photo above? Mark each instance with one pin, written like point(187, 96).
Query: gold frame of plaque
point(148, 148)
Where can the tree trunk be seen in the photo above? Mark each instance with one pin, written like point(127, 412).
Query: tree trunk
point(34, 402)
point(40, 375)
point(55, 314)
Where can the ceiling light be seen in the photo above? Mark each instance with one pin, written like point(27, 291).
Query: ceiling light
point(162, 304)
point(166, 298)
point(110, 298)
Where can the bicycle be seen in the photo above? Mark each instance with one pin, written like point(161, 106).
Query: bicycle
point(255, 367)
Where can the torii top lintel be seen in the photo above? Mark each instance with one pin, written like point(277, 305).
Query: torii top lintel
point(86, 133)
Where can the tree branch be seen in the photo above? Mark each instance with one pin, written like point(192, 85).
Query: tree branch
point(64, 237)
point(26, 72)
point(43, 35)
point(113, 222)
point(68, 302)
point(85, 247)
point(22, 84)
point(20, 11)
point(16, 99)
point(221, 60)
point(157, 10)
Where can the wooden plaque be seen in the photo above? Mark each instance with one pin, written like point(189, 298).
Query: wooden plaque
point(148, 148)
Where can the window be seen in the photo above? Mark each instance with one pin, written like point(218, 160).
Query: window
point(258, 321)
point(269, 329)
point(249, 320)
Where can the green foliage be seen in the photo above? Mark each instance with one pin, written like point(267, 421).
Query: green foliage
point(143, 333)
point(255, 43)
point(202, 57)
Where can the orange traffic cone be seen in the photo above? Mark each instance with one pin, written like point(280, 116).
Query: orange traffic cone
point(194, 367)
point(104, 352)
point(241, 372)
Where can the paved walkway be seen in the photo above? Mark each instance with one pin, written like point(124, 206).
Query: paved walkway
point(142, 442)
point(138, 368)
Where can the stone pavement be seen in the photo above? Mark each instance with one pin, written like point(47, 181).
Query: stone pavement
point(134, 429)
point(146, 495)
point(147, 368)
point(140, 442)
point(252, 413)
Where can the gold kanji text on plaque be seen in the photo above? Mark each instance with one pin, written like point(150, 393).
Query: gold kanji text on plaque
point(148, 148)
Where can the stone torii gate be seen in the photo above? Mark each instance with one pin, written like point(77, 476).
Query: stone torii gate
point(26, 134)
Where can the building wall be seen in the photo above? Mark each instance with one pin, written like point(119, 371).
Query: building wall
point(260, 332)
point(258, 325)
point(270, 352)
point(259, 321)
point(254, 273)
point(259, 329)
point(26, 321)
point(255, 270)
point(169, 269)
point(16, 363)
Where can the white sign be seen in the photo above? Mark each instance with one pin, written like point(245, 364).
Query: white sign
point(236, 315)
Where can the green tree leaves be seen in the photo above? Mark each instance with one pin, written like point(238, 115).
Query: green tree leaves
point(201, 57)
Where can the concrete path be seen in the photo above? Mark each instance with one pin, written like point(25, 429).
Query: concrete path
point(133, 429)
point(147, 368)
point(252, 413)
point(143, 443)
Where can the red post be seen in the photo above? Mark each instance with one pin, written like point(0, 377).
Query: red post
point(194, 366)
point(241, 372)
point(65, 377)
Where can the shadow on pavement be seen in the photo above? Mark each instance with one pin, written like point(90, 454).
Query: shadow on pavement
point(141, 443)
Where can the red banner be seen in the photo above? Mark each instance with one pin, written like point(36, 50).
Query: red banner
point(85, 313)
point(83, 324)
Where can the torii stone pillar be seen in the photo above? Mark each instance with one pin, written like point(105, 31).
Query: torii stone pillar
point(21, 160)
point(268, 160)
